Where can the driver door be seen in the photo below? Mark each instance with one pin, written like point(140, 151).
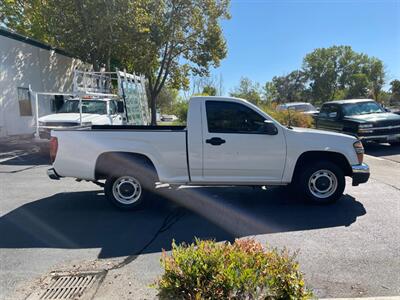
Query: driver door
point(235, 149)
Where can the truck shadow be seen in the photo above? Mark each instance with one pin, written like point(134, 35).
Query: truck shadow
point(86, 220)
point(382, 149)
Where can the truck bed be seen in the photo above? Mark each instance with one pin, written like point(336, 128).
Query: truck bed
point(79, 149)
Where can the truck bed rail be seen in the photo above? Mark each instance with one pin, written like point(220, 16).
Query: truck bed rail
point(138, 127)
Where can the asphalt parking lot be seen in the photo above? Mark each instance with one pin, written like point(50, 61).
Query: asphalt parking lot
point(349, 249)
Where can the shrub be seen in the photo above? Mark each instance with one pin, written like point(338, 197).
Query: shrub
point(298, 119)
point(181, 109)
point(242, 270)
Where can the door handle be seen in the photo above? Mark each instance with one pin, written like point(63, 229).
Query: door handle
point(215, 141)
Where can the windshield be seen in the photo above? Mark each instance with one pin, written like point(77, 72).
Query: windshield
point(362, 108)
point(88, 106)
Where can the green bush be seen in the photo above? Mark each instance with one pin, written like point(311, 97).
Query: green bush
point(297, 119)
point(242, 270)
point(180, 110)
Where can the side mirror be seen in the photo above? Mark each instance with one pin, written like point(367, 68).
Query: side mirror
point(120, 107)
point(270, 128)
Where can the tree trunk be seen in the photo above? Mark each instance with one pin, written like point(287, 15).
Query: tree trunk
point(108, 62)
point(153, 108)
point(95, 64)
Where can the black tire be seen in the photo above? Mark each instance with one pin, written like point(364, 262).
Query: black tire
point(321, 183)
point(136, 188)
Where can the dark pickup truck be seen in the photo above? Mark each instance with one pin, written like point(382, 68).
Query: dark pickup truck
point(363, 118)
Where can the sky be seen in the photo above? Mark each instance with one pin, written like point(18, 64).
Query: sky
point(267, 38)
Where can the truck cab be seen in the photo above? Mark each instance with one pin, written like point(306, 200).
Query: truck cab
point(95, 111)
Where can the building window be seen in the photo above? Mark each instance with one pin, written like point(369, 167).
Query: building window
point(24, 101)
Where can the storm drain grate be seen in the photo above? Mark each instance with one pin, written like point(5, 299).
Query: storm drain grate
point(63, 287)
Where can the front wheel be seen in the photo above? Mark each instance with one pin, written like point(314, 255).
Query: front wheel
point(321, 183)
point(125, 191)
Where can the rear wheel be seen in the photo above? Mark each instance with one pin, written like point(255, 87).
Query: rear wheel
point(321, 183)
point(129, 190)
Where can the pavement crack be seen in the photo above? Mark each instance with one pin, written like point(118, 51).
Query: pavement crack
point(20, 170)
point(173, 217)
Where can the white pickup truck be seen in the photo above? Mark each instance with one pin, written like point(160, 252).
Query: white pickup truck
point(227, 141)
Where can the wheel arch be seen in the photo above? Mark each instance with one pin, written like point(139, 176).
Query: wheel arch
point(109, 163)
point(316, 156)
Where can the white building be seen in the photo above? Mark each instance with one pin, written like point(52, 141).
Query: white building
point(24, 62)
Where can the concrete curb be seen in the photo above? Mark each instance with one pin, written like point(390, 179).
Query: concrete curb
point(366, 298)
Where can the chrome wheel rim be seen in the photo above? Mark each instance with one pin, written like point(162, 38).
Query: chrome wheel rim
point(322, 184)
point(127, 190)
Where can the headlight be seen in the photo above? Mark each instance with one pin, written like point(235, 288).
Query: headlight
point(365, 128)
point(41, 123)
point(359, 148)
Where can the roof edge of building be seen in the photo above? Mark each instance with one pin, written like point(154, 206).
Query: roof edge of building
point(19, 37)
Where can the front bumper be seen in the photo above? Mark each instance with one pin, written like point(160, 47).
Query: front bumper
point(53, 174)
point(360, 173)
point(381, 138)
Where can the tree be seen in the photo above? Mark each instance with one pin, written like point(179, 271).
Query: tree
point(97, 31)
point(181, 37)
point(205, 85)
point(338, 70)
point(376, 76)
point(320, 68)
point(248, 90)
point(395, 89)
point(358, 86)
point(287, 88)
point(167, 99)
point(209, 90)
point(25, 17)
point(164, 40)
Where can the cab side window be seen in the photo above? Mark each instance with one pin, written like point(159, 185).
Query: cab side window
point(330, 111)
point(228, 117)
point(324, 111)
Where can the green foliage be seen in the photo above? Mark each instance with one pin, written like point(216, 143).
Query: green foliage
point(242, 270)
point(180, 110)
point(167, 100)
point(209, 90)
point(358, 86)
point(395, 89)
point(164, 40)
point(97, 31)
point(297, 119)
point(340, 69)
point(181, 37)
point(248, 90)
point(24, 17)
point(287, 88)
